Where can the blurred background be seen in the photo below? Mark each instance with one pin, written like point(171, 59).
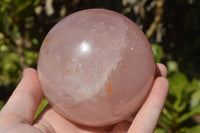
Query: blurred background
point(172, 27)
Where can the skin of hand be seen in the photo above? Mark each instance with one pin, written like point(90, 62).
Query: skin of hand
point(18, 113)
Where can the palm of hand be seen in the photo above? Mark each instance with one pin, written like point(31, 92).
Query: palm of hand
point(17, 115)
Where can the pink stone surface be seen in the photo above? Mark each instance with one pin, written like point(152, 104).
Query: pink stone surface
point(96, 67)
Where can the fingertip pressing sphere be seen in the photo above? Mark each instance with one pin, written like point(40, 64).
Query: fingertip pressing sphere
point(96, 67)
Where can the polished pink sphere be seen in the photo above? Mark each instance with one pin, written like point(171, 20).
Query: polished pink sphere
point(96, 67)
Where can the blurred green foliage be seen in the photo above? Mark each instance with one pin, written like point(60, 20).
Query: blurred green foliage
point(182, 104)
point(172, 27)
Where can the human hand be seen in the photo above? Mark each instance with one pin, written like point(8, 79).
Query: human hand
point(18, 113)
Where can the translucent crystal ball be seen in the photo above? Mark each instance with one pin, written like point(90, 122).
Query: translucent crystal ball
point(96, 67)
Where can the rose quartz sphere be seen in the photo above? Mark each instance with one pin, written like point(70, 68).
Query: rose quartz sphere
point(96, 67)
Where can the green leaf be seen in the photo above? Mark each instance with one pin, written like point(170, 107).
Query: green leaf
point(36, 2)
point(195, 100)
point(41, 107)
point(178, 87)
point(35, 41)
point(1, 104)
point(172, 66)
point(189, 114)
point(178, 82)
point(31, 57)
point(10, 67)
point(157, 52)
point(194, 129)
point(159, 130)
point(8, 62)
